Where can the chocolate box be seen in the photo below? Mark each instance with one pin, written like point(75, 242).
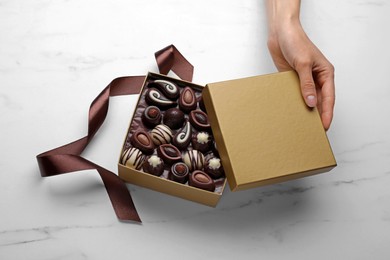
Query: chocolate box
point(263, 131)
point(162, 183)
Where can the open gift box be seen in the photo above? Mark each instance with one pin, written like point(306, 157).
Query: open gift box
point(261, 130)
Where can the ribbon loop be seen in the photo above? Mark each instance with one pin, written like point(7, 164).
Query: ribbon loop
point(169, 58)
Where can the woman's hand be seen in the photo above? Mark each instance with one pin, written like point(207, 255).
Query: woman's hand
point(290, 48)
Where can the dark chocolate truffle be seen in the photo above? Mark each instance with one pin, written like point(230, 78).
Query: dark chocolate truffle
point(194, 160)
point(187, 101)
point(169, 153)
point(201, 180)
point(151, 116)
point(179, 172)
point(213, 168)
point(161, 134)
point(174, 118)
point(153, 165)
point(183, 137)
point(155, 97)
point(199, 120)
point(133, 158)
point(142, 140)
point(202, 142)
point(169, 89)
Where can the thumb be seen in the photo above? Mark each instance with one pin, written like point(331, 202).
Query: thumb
point(308, 87)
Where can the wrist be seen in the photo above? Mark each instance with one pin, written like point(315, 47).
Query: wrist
point(282, 16)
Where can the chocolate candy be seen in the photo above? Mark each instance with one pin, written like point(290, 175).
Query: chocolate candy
point(151, 116)
point(142, 140)
point(155, 97)
point(199, 120)
point(201, 180)
point(187, 101)
point(174, 118)
point(153, 165)
point(183, 137)
point(169, 89)
point(133, 158)
point(213, 168)
point(202, 142)
point(179, 172)
point(169, 153)
point(161, 134)
point(194, 160)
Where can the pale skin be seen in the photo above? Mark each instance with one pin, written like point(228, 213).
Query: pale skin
point(291, 49)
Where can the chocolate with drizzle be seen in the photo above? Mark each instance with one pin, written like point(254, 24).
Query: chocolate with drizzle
point(194, 160)
point(133, 158)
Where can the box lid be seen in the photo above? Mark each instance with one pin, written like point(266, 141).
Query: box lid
point(264, 131)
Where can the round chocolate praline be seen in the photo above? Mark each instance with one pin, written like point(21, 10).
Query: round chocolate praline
point(154, 97)
point(183, 137)
point(151, 116)
point(169, 153)
point(153, 165)
point(187, 100)
point(161, 134)
point(133, 158)
point(142, 140)
point(202, 141)
point(174, 118)
point(201, 180)
point(179, 172)
point(213, 168)
point(199, 120)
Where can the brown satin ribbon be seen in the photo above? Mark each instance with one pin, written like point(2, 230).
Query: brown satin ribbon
point(67, 158)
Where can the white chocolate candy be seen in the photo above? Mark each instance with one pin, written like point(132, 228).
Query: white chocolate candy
point(161, 134)
point(133, 158)
point(194, 160)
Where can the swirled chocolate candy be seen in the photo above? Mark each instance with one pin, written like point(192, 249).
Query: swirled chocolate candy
point(155, 97)
point(151, 116)
point(174, 118)
point(153, 165)
point(169, 89)
point(213, 168)
point(202, 142)
point(179, 172)
point(142, 140)
point(187, 101)
point(169, 153)
point(133, 158)
point(194, 160)
point(183, 137)
point(199, 120)
point(161, 134)
point(201, 180)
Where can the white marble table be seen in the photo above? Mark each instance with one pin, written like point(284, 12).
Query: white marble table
point(52, 50)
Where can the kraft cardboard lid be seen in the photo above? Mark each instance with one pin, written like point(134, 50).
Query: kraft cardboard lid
point(264, 131)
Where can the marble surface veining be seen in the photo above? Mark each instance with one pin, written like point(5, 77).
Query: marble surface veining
point(56, 56)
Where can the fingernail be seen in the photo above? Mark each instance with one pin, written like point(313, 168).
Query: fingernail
point(311, 101)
